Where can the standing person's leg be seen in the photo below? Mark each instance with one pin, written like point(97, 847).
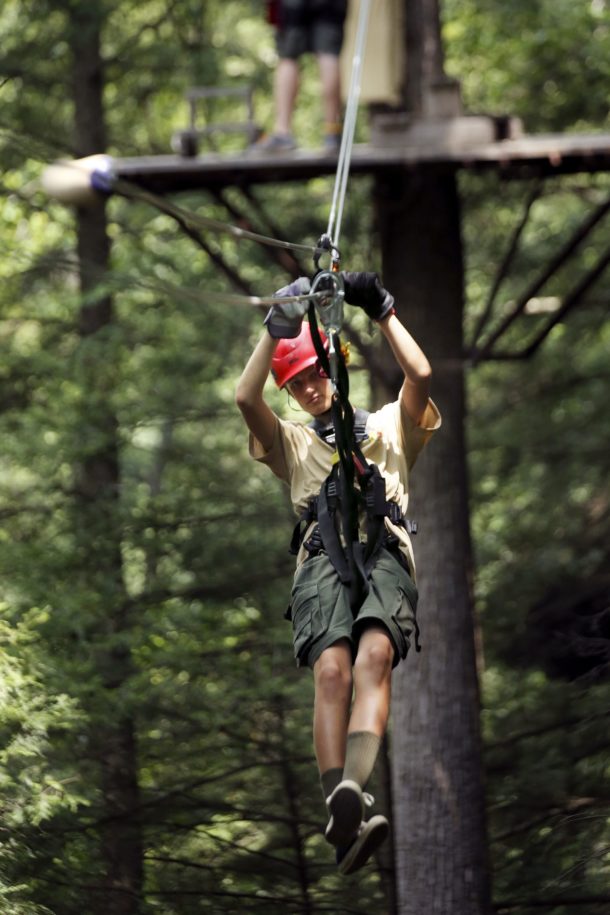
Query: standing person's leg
point(326, 41)
point(291, 44)
point(330, 80)
point(292, 41)
point(286, 88)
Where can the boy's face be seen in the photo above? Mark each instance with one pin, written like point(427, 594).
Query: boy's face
point(311, 391)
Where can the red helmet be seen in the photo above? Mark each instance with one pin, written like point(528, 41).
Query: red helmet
point(293, 355)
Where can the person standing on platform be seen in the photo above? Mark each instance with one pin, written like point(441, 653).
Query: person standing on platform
point(306, 26)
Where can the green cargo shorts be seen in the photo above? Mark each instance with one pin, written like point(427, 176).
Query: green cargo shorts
point(321, 614)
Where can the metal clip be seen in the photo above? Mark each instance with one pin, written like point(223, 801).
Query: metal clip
point(325, 246)
point(330, 309)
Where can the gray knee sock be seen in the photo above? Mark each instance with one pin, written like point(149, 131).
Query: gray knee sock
point(362, 749)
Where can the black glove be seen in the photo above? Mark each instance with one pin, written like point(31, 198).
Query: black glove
point(365, 291)
point(284, 320)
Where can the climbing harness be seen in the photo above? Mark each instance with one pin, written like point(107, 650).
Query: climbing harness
point(354, 486)
point(339, 505)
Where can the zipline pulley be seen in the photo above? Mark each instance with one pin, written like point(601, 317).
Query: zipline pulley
point(325, 245)
point(330, 312)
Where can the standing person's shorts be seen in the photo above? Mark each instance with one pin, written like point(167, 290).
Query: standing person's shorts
point(321, 612)
point(310, 26)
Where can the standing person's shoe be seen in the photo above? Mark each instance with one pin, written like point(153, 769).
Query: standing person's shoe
point(346, 808)
point(332, 137)
point(332, 143)
point(274, 143)
point(370, 836)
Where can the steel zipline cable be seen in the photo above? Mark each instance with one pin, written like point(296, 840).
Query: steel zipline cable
point(335, 219)
point(196, 220)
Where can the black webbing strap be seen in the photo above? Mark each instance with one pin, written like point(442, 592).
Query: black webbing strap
point(347, 558)
point(328, 530)
point(317, 340)
point(326, 431)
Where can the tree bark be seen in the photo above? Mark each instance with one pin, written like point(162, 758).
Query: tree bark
point(440, 834)
point(97, 484)
point(424, 57)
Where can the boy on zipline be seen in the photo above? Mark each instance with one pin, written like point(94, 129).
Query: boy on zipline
point(350, 643)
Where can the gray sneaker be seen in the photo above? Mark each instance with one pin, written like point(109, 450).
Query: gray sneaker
point(346, 808)
point(275, 143)
point(332, 143)
point(370, 836)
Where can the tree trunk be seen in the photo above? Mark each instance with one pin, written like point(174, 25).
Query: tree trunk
point(441, 857)
point(97, 502)
point(424, 52)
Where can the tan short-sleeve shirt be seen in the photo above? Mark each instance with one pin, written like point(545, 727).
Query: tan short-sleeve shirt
point(300, 458)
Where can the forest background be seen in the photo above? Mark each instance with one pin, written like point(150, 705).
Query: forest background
point(150, 717)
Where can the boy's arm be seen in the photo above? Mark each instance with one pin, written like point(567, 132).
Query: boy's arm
point(417, 370)
point(259, 417)
point(365, 291)
point(283, 321)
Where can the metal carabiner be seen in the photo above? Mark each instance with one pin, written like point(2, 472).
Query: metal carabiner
point(325, 246)
point(330, 312)
point(330, 309)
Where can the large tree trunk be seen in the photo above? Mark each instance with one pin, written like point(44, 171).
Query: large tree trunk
point(97, 503)
point(424, 52)
point(441, 857)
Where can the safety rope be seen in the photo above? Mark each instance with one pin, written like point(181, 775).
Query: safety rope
point(196, 220)
point(350, 566)
point(225, 298)
point(349, 125)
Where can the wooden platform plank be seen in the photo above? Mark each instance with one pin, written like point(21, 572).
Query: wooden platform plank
point(546, 154)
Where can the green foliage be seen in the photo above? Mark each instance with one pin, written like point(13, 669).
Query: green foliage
point(545, 61)
point(538, 434)
point(229, 805)
point(37, 784)
point(540, 522)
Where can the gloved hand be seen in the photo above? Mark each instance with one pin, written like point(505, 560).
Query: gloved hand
point(365, 291)
point(284, 320)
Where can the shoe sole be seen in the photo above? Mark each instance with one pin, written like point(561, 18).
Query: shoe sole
point(346, 807)
point(374, 832)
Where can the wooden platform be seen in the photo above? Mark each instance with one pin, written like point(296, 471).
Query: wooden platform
point(516, 158)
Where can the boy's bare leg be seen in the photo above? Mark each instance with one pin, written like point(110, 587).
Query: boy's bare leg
point(372, 682)
point(333, 694)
